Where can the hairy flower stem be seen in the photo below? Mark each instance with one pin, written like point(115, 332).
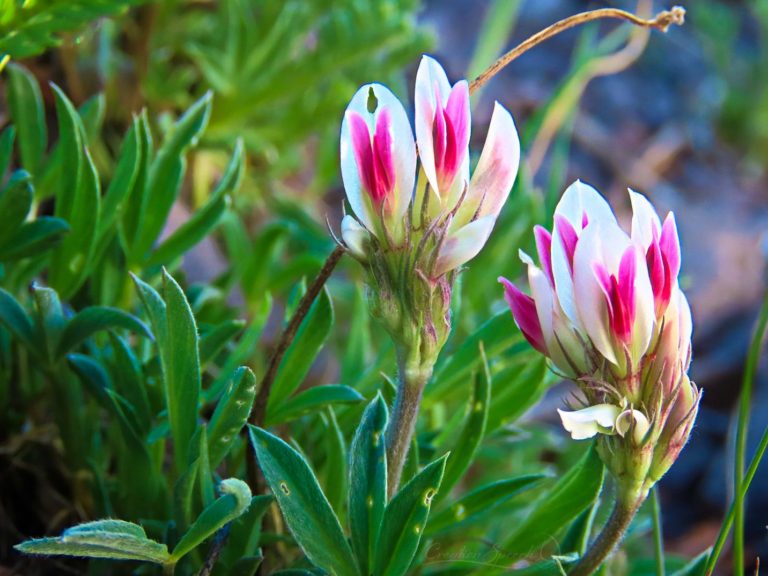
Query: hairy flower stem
point(609, 537)
point(413, 376)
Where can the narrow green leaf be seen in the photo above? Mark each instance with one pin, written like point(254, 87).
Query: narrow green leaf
point(15, 202)
point(181, 367)
point(696, 567)
point(368, 482)
point(496, 335)
point(335, 465)
point(204, 220)
point(16, 320)
point(167, 172)
point(126, 172)
point(472, 432)
point(234, 500)
point(304, 506)
point(26, 107)
point(50, 318)
point(358, 342)
point(570, 496)
point(129, 381)
point(231, 414)
point(481, 499)
point(405, 519)
point(310, 338)
point(113, 539)
point(33, 237)
point(7, 138)
point(94, 319)
point(554, 566)
point(136, 203)
point(515, 390)
point(213, 341)
point(77, 201)
point(245, 532)
point(312, 400)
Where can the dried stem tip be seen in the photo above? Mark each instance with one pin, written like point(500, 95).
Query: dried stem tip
point(662, 21)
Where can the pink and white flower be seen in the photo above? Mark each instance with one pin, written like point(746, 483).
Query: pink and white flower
point(378, 160)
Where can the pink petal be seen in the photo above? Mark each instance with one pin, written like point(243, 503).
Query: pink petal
point(431, 81)
point(382, 152)
point(523, 310)
point(457, 118)
point(361, 144)
point(670, 245)
point(544, 248)
point(568, 237)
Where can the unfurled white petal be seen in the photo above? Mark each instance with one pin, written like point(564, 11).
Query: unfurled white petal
point(635, 420)
point(587, 422)
point(355, 236)
point(463, 245)
point(645, 220)
point(496, 170)
point(430, 78)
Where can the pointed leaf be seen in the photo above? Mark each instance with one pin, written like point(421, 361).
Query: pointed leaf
point(312, 400)
point(101, 539)
point(234, 500)
point(405, 519)
point(94, 319)
point(570, 496)
point(304, 506)
point(368, 482)
point(26, 107)
point(231, 414)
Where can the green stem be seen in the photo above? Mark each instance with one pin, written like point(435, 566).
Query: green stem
point(658, 537)
point(412, 379)
point(169, 569)
point(609, 537)
point(728, 521)
point(745, 406)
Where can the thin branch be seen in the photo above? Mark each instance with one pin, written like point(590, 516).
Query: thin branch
point(286, 338)
point(219, 541)
point(662, 22)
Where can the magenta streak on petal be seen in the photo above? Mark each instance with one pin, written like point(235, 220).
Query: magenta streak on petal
point(568, 237)
point(658, 275)
point(670, 247)
point(524, 312)
point(361, 145)
point(544, 248)
point(619, 295)
point(458, 135)
point(584, 219)
point(384, 168)
point(439, 134)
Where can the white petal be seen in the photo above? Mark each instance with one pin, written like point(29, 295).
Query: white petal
point(602, 243)
point(644, 220)
point(430, 76)
point(627, 419)
point(587, 422)
point(355, 236)
point(463, 245)
point(577, 200)
point(645, 310)
point(404, 156)
point(496, 170)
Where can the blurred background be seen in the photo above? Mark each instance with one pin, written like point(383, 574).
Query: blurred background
point(681, 117)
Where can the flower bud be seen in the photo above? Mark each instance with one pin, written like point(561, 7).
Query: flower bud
point(414, 236)
point(607, 309)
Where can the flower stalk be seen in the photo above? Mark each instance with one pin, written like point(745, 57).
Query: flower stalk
point(610, 536)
